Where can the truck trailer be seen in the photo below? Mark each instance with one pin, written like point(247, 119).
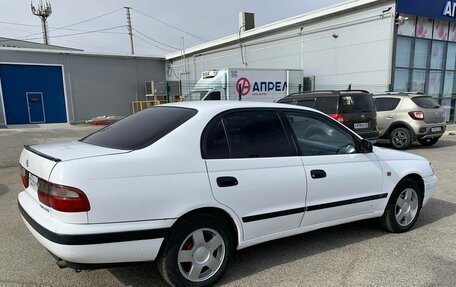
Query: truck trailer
point(231, 84)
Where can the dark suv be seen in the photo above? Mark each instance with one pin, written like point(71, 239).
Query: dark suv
point(354, 108)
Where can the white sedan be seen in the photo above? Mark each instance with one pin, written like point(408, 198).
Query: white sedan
point(186, 184)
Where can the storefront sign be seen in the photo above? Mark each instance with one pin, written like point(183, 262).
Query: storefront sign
point(437, 9)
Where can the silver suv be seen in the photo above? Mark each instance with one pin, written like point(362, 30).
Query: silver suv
point(404, 117)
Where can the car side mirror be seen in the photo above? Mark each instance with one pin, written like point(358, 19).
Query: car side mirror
point(366, 146)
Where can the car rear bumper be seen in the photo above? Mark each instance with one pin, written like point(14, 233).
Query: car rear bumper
point(428, 131)
point(94, 243)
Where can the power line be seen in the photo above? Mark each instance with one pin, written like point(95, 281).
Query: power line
point(172, 26)
point(147, 42)
point(156, 41)
point(77, 23)
point(52, 28)
point(81, 33)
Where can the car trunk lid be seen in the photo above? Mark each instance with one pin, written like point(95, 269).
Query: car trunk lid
point(432, 111)
point(40, 160)
point(358, 111)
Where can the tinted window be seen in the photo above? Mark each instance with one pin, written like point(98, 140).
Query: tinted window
point(141, 129)
point(386, 104)
point(214, 96)
point(318, 136)
point(350, 104)
point(306, 103)
point(216, 144)
point(327, 105)
point(256, 134)
point(426, 102)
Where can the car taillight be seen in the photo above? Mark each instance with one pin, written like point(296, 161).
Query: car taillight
point(338, 117)
point(419, 116)
point(24, 177)
point(62, 198)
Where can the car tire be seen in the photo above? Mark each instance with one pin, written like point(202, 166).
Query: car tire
point(428, 141)
point(400, 138)
point(191, 257)
point(403, 208)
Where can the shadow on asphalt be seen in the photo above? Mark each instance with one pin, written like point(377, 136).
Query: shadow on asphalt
point(443, 143)
point(274, 253)
point(3, 189)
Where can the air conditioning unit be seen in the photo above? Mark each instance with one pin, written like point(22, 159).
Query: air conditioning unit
point(155, 88)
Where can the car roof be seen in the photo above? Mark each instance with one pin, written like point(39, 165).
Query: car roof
point(402, 94)
point(326, 93)
point(220, 106)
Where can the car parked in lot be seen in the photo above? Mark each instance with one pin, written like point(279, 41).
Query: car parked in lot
point(353, 108)
point(403, 117)
point(186, 184)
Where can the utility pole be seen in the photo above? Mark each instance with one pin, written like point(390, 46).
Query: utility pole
point(43, 11)
point(130, 30)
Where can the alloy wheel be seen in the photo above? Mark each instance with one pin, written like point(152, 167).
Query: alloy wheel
point(201, 254)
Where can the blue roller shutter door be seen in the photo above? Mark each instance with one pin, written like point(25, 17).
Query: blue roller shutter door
point(33, 94)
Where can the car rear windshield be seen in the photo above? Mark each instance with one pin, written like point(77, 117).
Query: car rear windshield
point(350, 104)
point(141, 129)
point(426, 102)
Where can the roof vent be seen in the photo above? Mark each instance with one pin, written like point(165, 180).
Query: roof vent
point(246, 21)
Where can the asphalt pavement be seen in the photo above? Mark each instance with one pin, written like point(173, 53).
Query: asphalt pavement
point(355, 254)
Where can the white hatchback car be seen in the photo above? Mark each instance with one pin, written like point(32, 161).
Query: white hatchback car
point(185, 184)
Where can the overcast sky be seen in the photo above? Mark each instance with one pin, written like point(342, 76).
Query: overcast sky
point(203, 19)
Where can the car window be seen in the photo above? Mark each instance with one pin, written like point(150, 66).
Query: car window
point(362, 103)
point(426, 102)
point(286, 101)
point(216, 143)
point(386, 104)
point(141, 129)
point(256, 134)
point(306, 103)
point(318, 136)
point(214, 96)
point(327, 105)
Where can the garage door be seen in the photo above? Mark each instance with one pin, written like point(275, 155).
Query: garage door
point(33, 94)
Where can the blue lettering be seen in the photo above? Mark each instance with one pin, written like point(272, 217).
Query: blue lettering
point(270, 86)
point(255, 87)
point(284, 87)
point(263, 86)
point(277, 88)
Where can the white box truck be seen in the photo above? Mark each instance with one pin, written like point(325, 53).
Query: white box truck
point(230, 84)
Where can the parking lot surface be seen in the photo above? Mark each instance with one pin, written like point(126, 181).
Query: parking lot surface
point(356, 254)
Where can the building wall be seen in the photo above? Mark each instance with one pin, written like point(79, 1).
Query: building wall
point(359, 54)
point(95, 84)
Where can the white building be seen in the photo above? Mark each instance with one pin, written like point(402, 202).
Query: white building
point(374, 45)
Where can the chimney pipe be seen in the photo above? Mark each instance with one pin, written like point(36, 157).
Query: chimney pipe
point(246, 21)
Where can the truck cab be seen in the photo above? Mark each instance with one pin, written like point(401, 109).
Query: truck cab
point(211, 87)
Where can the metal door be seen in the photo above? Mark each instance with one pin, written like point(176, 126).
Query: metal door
point(35, 107)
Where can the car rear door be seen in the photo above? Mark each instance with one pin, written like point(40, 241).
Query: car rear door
point(342, 182)
point(254, 170)
point(386, 112)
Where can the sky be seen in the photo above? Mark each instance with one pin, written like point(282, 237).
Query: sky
point(160, 27)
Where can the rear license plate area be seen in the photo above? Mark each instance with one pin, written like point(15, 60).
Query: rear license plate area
point(436, 129)
point(359, 126)
point(33, 182)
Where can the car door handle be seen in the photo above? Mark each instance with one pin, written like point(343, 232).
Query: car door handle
point(390, 117)
point(225, 181)
point(317, 173)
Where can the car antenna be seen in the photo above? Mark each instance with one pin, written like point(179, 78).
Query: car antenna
point(349, 87)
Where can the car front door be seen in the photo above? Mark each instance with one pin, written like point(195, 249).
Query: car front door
point(386, 112)
point(254, 170)
point(342, 182)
